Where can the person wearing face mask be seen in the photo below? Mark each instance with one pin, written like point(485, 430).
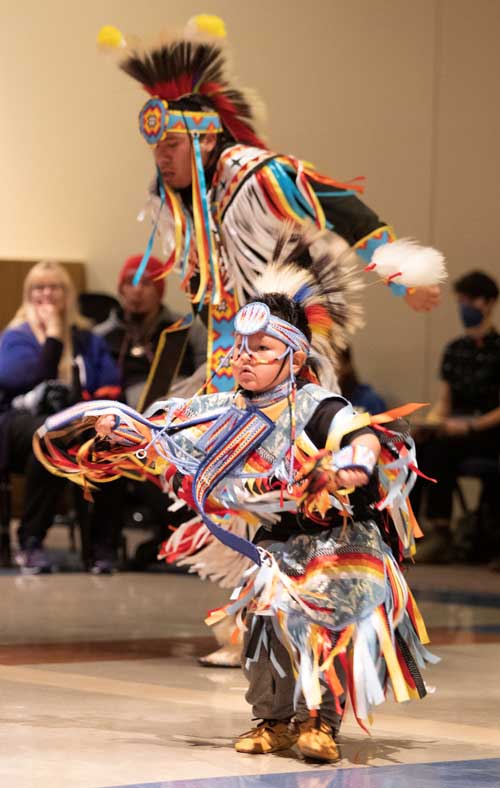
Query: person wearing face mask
point(466, 417)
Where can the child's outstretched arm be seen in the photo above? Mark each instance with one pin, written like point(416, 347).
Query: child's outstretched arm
point(97, 443)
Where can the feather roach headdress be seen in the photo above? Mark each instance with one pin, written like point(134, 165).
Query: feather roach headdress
point(191, 92)
point(313, 269)
point(187, 76)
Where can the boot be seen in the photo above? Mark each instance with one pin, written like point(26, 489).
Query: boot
point(268, 736)
point(316, 740)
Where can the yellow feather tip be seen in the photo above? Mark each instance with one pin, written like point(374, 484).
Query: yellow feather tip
point(207, 23)
point(110, 37)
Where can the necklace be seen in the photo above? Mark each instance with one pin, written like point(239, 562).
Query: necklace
point(266, 398)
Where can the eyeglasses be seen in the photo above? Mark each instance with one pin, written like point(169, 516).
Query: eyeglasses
point(52, 287)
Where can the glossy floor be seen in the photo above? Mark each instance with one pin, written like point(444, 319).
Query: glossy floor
point(100, 687)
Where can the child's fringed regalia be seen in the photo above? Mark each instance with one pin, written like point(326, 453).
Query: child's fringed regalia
point(220, 237)
point(333, 588)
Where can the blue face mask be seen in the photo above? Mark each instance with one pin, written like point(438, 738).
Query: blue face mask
point(471, 316)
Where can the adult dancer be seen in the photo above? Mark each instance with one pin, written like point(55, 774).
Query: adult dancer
point(220, 195)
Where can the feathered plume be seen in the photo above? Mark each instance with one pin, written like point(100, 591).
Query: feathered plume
point(408, 263)
point(311, 267)
point(195, 64)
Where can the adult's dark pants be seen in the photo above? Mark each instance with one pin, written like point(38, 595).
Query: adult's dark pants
point(43, 490)
point(440, 458)
point(107, 513)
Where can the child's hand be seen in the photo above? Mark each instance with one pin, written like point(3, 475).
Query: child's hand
point(355, 463)
point(105, 425)
point(347, 479)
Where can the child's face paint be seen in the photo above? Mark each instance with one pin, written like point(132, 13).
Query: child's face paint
point(262, 366)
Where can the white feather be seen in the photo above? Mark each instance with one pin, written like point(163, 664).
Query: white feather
point(281, 279)
point(416, 265)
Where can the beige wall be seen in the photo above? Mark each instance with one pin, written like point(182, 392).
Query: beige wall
point(466, 192)
point(402, 92)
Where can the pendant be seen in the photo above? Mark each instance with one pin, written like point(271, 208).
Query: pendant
point(137, 351)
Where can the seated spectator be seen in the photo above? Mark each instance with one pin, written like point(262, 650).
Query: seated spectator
point(466, 418)
point(361, 395)
point(48, 360)
point(132, 334)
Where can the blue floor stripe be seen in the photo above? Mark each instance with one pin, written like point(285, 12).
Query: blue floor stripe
point(453, 774)
point(489, 629)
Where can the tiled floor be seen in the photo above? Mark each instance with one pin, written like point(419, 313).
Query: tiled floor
point(100, 687)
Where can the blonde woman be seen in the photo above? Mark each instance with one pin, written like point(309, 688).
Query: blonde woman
point(48, 359)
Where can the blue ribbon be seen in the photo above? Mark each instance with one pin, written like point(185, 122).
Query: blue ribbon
point(149, 248)
point(204, 204)
point(187, 245)
point(254, 420)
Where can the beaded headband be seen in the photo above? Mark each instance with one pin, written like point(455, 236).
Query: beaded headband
point(156, 120)
point(257, 316)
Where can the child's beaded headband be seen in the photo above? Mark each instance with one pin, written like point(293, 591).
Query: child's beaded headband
point(256, 316)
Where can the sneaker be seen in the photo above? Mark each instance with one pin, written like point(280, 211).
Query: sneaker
point(102, 567)
point(268, 736)
point(33, 561)
point(316, 740)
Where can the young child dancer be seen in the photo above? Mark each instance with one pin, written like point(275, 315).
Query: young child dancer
point(326, 612)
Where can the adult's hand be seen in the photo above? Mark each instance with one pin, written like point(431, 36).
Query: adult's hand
point(51, 319)
point(456, 427)
point(423, 299)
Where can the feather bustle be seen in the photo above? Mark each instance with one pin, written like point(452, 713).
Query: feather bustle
point(311, 266)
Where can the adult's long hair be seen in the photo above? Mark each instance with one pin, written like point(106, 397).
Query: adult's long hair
point(70, 315)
